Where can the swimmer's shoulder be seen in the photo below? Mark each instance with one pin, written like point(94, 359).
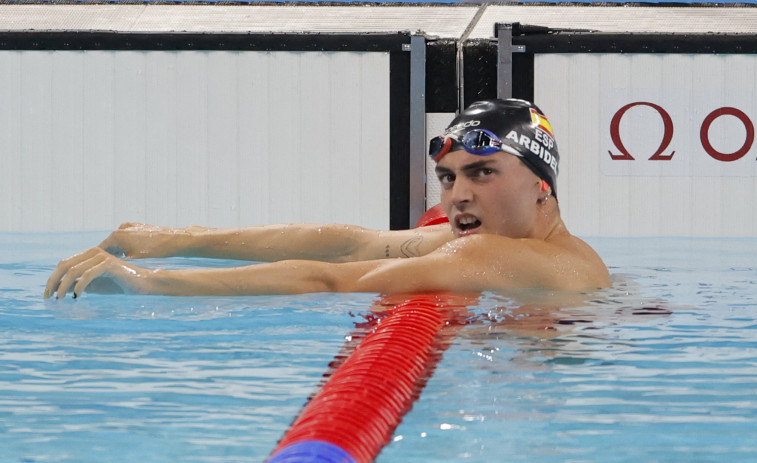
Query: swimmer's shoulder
point(562, 262)
point(586, 264)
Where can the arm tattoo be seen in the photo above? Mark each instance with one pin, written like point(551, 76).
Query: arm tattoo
point(411, 247)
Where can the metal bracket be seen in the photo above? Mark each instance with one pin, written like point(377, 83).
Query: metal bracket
point(505, 50)
point(418, 156)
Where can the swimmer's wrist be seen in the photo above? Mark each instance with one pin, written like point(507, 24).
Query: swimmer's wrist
point(190, 240)
point(196, 241)
point(161, 281)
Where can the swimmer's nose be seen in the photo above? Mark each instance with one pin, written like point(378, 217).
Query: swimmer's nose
point(461, 193)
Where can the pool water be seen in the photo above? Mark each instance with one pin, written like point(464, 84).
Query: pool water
point(660, 368)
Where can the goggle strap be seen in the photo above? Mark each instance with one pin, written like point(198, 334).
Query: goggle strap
point(446, 148)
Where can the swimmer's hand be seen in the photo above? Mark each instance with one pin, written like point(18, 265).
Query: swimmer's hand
point(138, 240)
point(93, 269)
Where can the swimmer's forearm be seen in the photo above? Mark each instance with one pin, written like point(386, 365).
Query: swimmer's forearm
point(385, 276)
point(261, 243)
point(286, 277)
point(271, 243)
point(327, 243)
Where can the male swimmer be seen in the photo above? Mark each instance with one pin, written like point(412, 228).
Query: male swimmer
point(497, 163)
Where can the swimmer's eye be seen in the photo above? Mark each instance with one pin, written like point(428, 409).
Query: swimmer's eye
point(446, 179)
point(481, 173)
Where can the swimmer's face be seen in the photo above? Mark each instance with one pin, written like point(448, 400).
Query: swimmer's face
point(494, 194)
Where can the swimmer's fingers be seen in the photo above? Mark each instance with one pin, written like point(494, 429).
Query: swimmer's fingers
point(76, 271)
point(100, 263)
point(88, 275)
point(64, 266)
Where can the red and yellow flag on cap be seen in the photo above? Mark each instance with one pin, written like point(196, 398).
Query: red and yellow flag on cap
point(541, 121)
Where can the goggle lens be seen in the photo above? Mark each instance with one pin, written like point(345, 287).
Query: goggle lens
point(479, 142)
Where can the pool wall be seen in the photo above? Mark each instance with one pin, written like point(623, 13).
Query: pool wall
point(232, 115)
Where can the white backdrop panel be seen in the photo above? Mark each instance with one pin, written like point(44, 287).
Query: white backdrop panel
point(688, 189)
point(90, 139)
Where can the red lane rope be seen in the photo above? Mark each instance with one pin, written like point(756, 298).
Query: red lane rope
point(433, 216)
point(363, 401)
point(356, 411)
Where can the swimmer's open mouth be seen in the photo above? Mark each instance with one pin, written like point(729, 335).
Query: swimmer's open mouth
point(467, 223)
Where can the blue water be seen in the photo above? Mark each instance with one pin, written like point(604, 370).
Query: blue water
point(660, 368)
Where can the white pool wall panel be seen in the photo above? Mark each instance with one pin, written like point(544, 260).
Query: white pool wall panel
point(690, 194)
point(91, 139)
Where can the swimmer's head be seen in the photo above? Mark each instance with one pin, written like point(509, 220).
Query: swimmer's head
point(513, 126)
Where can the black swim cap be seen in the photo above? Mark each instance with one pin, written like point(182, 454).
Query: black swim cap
point(521, 127)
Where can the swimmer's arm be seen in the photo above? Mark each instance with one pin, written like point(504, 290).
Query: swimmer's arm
point(385, 276)
point(331, 243)
point(461, 266)
point(437, 271)
point(474, 264)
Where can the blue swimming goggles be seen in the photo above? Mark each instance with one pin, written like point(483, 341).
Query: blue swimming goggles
point(480, 142)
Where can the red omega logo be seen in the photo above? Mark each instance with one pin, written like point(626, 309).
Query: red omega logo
point(704, 134)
